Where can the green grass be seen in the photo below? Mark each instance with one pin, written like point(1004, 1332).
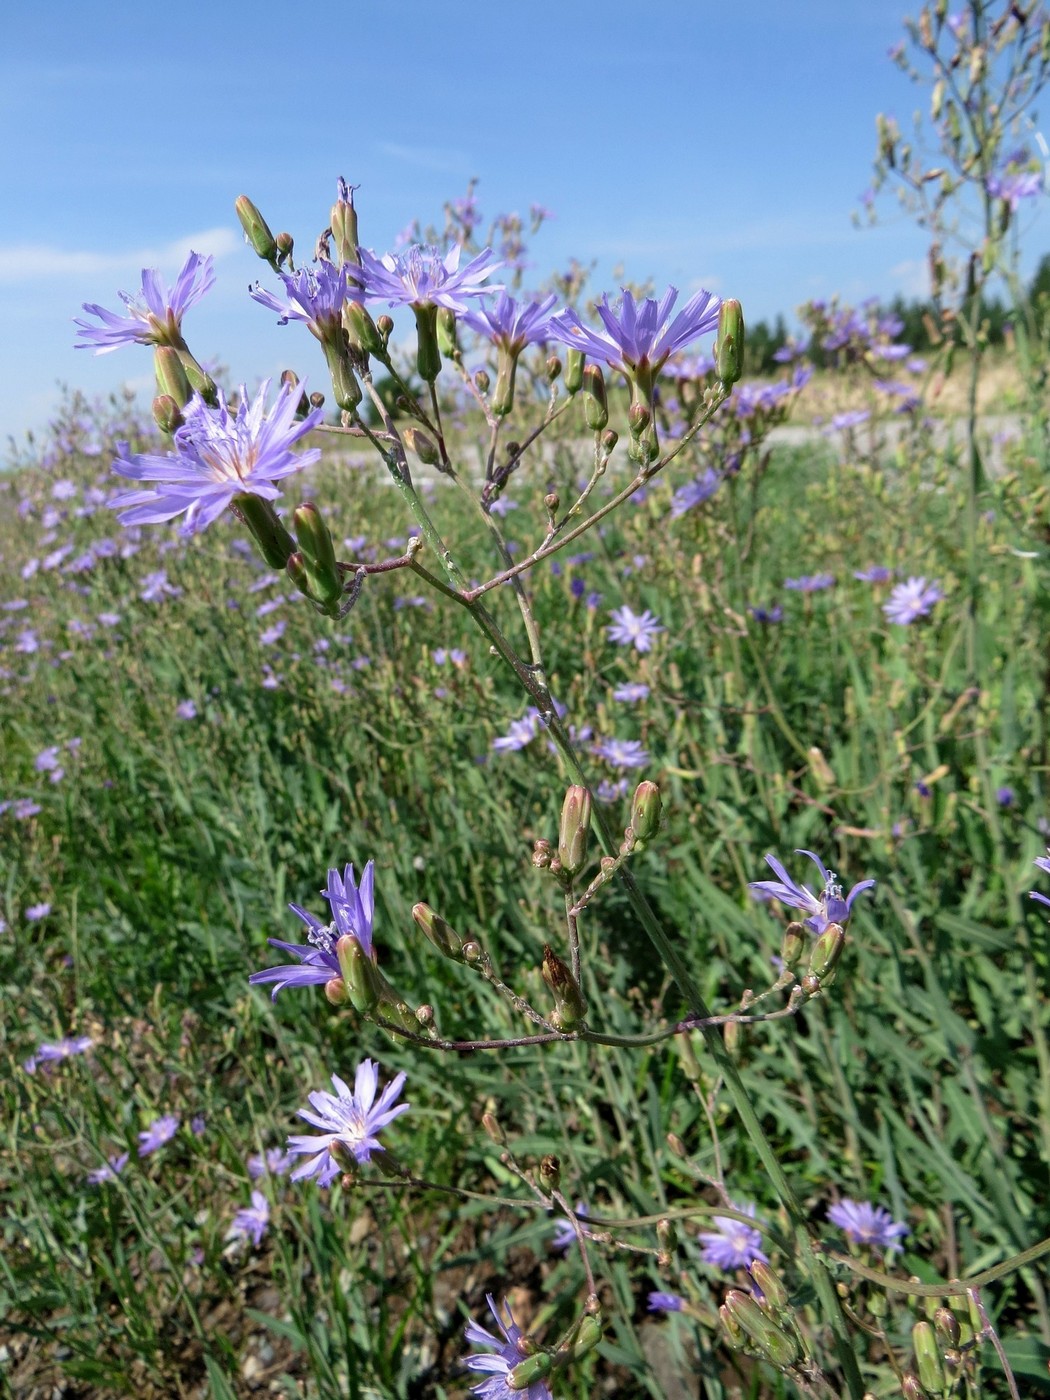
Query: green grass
point(170, 850)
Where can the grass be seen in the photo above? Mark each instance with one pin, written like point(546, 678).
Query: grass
point(170, 848)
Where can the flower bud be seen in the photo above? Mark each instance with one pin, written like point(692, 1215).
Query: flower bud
point(446, 332)
point(335, 991)
point(911, 1389)
point(645, 813)
point(927, 1357)
point(574, 829)
point(525, 1373)
point(573, 371)
point(482, 381)
point(729, 343)
point(428, 354)
point(285, 245)
point(948, 1324)
point(595, 402)
point(417, 441)
point(793, 945)
point(443, 936)
point(731, 1036)
point(167, 414)
point(552, 368)
point(734, 1334)
point(318, 551)
point(541, 854)
point(503, 394)
point(609, 440)
point(773, 1290)
point(275, 543)
point(491, 1124)
point(343, 220)
point(172, 379)
point(384, 325)
point(360, 974)
point(345, 388)
point(587, 1338)
point(568, 999)
point(361, 331)
point(768, 1337)
point(826, 952)
point(639, 417)
point(256, 229)
point(550, 1172)
point(667, 1238)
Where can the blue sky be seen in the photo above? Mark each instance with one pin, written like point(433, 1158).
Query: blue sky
point(722, 145)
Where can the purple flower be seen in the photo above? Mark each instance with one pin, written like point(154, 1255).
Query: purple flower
point(36, 912)
point(564, 1236)
point(109, 1171)
point(520, 735)
point(155, 317)
point(62, 1049)
point(349, 1124)
point(633, 629)
point(665, 1302)
point(160, 1131)
point(911, 600)
point(273, 633)
point(251, 1221)
point(694, 493)
point(773, 614)
point(639, 336)
point(316, 295)
point(732, 1244)
point(186, 709)
point(876, 573)
point(622, 753)
point(511, 324)
point(497, 1364)
point(275, 1162)
point(829, 908)
point(1005, 796)
point(352, 908)
point(158, 588)
point(218, 455)
point(1014, 185)
point(867, 1224)
point(420, 276)
point(810, 583)
point(46, 759)
point(852, 419)
point(631, 693)
point(1043, 863)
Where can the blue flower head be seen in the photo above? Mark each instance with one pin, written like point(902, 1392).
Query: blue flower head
point(829, 907)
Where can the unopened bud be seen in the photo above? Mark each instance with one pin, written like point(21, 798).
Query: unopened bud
point(317, 399)
point(568, 999)
point(285, 246)
point(417, 441)
point(345, 389)
point(927, 1357)
point(384, 325)
point(574, 829)
point(810, 984)
point(359, 973)
point(318, 551)
point(550, 1172)
point(769, 1338)
point(506, 371)
point(472, 951)
point(552, 368)
point(361, 331)
point(256, 229)
point(573, 371)
point(441, 933)
point(482, 381)
point(172, 379)
point(425, 1014)
point(167, 414)
point(491, 1124)
point(826, 952)
point(948, 1323)
point(541, 854)
point(667, 1236)
point(528, 1372)
point(729, 344)
point(595, 401)
point(428, 353)
point(639, 416)
point(911, 1388)
point(609, 440)
point(646, 807)
point(446, 332)
point(551, 502)
point(734, 1333)
point(773, 1290)
point(275, 543)
point(588, 1337)
point(335, 991)
point(731, 1036)
point(794, 944)
point(343, 220)
point(677, 1146)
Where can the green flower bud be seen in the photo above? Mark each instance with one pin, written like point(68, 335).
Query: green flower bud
point(776, 1295)
point(574, 829)
point(428, 353)
point(639, 416)
point(360, 974)
point(731, 1037)
point(345, 388)
point(573, 381)
point(911, 1389)
point(256, 229)
point(361, 331)
point(826, 952)
point(506, 369)
point(568, 999)
point(927, 1357)
point(609, 440)
point(587, 1338)
point(734, 1333)
point(275, 543)
point(645, 813)
point(343, 220)
point(595, 402)
point(296, 570)
point(667, 1236)
point(552, 368)
point(172, 379)
point(769, 1339)
point(335, 992)
point(446, 332)
point(167, 414)
point(285, 246)
point(729, 343)
point(318, 551)
point(794, 944)
point(533, 1368)
point(384, 325)
point(482, 381)
point(948, 1324)
point(443, 936)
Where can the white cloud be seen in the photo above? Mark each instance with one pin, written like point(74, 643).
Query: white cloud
point(445, 162)
point(27, 262)
point(912, 277)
